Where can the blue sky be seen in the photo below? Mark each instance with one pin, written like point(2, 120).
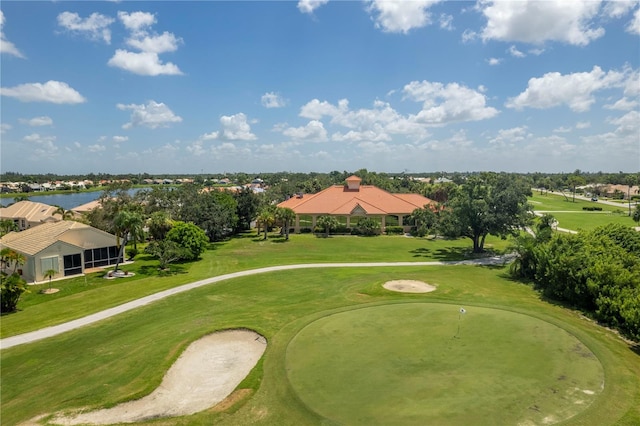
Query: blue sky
point(391, 86)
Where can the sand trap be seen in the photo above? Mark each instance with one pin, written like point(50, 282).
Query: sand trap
point(408, 286)
point(204, 375)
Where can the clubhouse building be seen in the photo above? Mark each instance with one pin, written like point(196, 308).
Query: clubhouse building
point(350, 202)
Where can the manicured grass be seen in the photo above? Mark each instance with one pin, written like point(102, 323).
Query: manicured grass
point(571, 216)
point(425, 363)
point(80, 297)
point(126, 356)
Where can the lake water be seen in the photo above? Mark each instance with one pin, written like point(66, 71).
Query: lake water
point(66, 201)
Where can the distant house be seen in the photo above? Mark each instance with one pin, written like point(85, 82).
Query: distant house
point(67, 247)
point(27, 214)
point(350, 202)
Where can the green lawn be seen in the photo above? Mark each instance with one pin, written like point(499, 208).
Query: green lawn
point(126, 356)
point(571, 216)
point(93, 293)
point(425, 363)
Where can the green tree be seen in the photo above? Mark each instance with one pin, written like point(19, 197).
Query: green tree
point(11, 289)
point(214, 212)
point(266, 219)
point(6, 226)
point(248, 204)
point(10, 256)
point(49, 273)
point(126, 225)
point(425, 220)
point(159, 224)
point(493, 204)
point(167, 252)
point(285, 216)
point(574, 181)
point(328, 223)
point(190, 237)
point(64, 213)
point(368, 227)
point(636, 214)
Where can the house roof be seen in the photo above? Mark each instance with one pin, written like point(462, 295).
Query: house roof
point(29, 210)
point(38, 238)
point(341, 200)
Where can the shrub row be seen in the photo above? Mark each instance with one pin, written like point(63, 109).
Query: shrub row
point(592, 209)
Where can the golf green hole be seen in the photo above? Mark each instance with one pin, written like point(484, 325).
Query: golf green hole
point(426, 363)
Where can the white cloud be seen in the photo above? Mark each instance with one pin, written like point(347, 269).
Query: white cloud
point(147, 61)
point(534, 21)
point(398, 16)
point(152, 115)
point(444, 104)
point(5, 45)
point(562, 129)
point(95, 27)
point(618, 8)
point(56, 92)
point(308, 6)
point(575, 90)
point(468, 36)
point(234, 128)
point(494, 61)
point(96, 148)
point(136, 21)
point(633, 26)
point(38, 121)
point(316, 110)
point(623, 104)
point(119, 139)
point(273, 100)
point(583, 125)
point(509, 137)
point(313, 131)
point(446, 22)
point(165, 42)
point(513, 51)
point(77, 144)
point(142, 63)
point(45, 145)
point(4, 127)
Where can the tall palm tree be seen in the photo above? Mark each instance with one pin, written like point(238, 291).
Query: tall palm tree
point(49, 273)
point(126, 224)
point(64, 214)
point(266, 218)
point(286, 216)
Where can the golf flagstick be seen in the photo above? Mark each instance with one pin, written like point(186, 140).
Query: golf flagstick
point(460, 313)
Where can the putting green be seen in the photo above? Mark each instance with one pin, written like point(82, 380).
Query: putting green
point(427, 363)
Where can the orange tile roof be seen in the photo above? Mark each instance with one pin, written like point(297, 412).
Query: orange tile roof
point(339, 200)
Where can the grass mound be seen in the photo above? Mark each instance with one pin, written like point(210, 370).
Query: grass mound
point(426, 363)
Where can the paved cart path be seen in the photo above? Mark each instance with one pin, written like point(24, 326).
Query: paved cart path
point(55, 330)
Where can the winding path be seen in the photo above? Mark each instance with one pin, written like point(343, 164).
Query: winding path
point(55, 330)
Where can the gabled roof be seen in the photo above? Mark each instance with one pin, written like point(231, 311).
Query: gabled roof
point(340, 200)
point(38, 238)
point(29, 210)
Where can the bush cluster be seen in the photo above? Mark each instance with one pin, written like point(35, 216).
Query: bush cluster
point(592, 209)
point(596, 271)
point(395, 230)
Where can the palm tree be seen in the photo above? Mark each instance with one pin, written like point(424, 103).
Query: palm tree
point(6, 226)
point(327, 223)
point(49, 273)
point(266, 218)
point(286, 216)
point(64, 214)
point(11, 256)
point(126, 224)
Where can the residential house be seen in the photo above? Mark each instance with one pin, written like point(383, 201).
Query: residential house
point(67, 247)
point(352, 201)
point(27, 214)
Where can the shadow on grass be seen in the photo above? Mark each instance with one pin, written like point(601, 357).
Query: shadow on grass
point(452, 253)
point(421, 252)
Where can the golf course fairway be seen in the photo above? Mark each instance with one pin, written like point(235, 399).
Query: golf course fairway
point(430, 363)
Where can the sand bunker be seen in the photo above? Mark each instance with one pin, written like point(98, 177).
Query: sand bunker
point(408, 286)
point(204, 375)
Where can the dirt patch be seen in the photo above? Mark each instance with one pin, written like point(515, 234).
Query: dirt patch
point(49, 291)
point(232, 399)
point(204, 375)
point(409, 286)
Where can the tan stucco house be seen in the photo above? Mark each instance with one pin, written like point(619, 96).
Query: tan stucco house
point(27, 214)
point(67, 247)
point(352, 201)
